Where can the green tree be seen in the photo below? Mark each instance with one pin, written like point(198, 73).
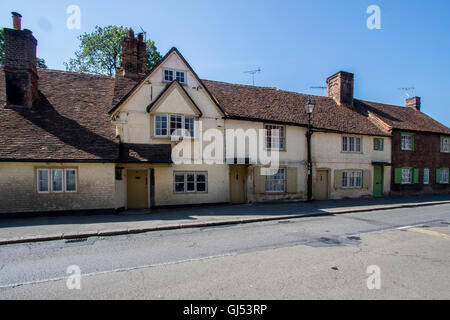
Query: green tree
point(100, 51)
point(40, 63)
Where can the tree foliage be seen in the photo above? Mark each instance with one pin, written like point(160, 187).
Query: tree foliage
point(40, 63)
point(100, 51)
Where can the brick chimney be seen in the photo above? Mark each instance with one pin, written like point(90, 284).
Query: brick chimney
point(340, 87)
point(20, 65)
point(413, 103)
point(133, 55)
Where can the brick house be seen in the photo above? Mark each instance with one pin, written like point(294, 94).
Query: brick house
point(76, 142)
point(420, 148)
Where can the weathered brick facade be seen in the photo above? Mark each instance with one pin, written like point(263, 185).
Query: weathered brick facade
point(426, 154)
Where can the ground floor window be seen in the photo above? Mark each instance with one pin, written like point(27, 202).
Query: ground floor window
point(56, 180)
point(443, 176)
point(277, 182)
point(426, 176)
point(352, 179)
point(190, 182)
point(406, 176)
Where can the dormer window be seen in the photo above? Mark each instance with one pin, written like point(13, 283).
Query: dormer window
point(171, 75)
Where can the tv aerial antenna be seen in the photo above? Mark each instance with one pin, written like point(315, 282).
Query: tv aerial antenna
point(318, 88)
point(253, 72)
point(144, 33)
point(408, 91)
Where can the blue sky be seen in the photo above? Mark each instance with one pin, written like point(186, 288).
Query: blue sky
point(297, 44)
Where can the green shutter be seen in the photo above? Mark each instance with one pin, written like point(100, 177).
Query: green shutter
point(415, 177)
point(398, 176)
point(438, 176)
point(412, 142)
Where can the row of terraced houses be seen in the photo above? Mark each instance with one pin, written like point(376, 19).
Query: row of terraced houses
point(76, 141)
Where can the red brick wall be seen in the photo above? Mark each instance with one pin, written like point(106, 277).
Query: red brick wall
point(427, 154)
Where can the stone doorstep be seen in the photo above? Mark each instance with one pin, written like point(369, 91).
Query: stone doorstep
point(116, 232)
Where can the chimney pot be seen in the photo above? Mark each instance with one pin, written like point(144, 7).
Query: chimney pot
point(17, 20)
point(141, 37)
point(131, 33)
point(414, 103)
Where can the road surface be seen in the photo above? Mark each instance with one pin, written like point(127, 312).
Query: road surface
point(404, 252)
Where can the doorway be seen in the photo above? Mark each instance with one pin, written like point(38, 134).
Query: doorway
point(238, 182)
point(378, 173)
point(137, 189)
point(321, 185)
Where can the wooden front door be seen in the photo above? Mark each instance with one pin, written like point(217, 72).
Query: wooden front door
point(321, 185)
point(238, 181)
point(137, 189)
point(378, 172)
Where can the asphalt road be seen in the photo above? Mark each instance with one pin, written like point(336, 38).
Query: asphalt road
point(310, 258)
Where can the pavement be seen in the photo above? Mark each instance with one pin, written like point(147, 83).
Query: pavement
point(28, 230)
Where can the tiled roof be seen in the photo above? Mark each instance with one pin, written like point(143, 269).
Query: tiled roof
point(271, 104)
point(154, 153)
point(402, 118)
point(71, 121)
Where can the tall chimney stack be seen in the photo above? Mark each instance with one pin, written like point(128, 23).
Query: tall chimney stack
point(20, 65)
point(133, 55)
point(340, 87)
point(413, 103)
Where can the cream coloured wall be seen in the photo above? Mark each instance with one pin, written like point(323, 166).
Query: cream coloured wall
point(18, 191)
point(327, 154)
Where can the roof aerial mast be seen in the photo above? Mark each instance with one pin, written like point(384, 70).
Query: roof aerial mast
point(253, 72)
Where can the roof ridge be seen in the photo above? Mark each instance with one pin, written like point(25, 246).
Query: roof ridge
point(48, 70)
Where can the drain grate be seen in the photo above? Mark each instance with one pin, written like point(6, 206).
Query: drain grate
point(76, 240)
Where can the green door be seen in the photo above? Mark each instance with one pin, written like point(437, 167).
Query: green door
point(378, 181)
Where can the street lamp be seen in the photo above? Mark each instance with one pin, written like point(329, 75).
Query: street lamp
point(309, 108)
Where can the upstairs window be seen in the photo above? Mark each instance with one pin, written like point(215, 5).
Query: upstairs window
point(351, 144)
point(275, 137)
point(168, 75)
point(161, 125)
point(180, 77)
point(378, 144)
point(407, 142)
point(171, 75)
point(445, 144)
point(174, 125)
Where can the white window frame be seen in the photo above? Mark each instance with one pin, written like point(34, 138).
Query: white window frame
point(271, 181)
point(426, 176)
point(349, 144)
point(62, 180)
point(280, 145)
point(155, 126)
point(65, 180)
point(350, 179)
point(406, 142)
point(174, 75)
point(444, 174)
point(48, 180)
point(186, 132)
point(410, 172)
point(185, 181)
point(445, 144)
point(164, 75)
